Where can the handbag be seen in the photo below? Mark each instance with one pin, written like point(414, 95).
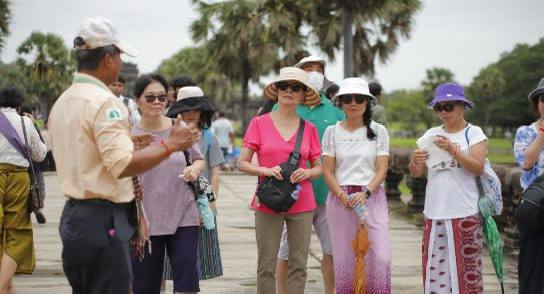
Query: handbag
point(203, 197)
point(489, 186)
point(530, 210)
point(35, 194)
point(276, 194)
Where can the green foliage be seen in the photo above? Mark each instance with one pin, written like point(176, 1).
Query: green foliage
point(378, 27)
point(194, 62)
point(409, 109)
point(5, 17)
point(47, 67)
point(509, 81)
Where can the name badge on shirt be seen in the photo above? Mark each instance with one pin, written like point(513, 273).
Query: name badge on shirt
point(114, 114)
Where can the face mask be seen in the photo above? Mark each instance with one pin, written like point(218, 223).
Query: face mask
point(315, 79)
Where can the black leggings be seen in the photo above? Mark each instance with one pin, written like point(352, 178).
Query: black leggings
point(530, 261)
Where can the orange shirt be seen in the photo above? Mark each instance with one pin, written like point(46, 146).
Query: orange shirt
point(89, 134)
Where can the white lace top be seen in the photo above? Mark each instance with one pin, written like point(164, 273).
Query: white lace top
point(8, 153)
point(354, 153)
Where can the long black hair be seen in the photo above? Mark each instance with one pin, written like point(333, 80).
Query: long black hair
point(367, 117)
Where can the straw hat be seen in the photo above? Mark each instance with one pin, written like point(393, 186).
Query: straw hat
point(290, 74)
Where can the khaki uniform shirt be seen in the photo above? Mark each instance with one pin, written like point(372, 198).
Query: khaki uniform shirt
point(89, 132)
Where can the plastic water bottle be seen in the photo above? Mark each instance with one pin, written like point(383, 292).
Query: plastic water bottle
point(360, 209)
point(296, 192)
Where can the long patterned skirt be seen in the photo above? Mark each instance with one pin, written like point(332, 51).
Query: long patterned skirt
point(455, 263)
point(343, 226)
point(209, 256)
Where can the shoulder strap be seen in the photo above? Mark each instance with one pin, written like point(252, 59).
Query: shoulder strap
point(185, 152)
point(9, 132)
point(28, 157)
point(466, 135)
point(300, 134)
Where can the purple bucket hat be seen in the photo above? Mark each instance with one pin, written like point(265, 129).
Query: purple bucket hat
point(450, 92)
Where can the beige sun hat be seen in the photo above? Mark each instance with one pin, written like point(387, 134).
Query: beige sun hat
point(290, 74)
point(98, 32)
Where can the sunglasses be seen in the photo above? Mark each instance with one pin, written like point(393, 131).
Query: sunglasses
point(347, 99)
point(152, 98)
point(447, 107)
point(295, 87)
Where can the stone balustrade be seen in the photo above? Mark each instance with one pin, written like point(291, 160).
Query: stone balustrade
point(508, 174)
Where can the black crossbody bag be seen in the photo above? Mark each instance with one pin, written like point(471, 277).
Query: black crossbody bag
point(530, 210)
point(276, 194)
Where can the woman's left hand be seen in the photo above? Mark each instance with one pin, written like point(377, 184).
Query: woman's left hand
point(445, 144)
point(300, 175)
point(191, 173)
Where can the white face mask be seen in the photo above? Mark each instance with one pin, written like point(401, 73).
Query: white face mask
point(315, 79)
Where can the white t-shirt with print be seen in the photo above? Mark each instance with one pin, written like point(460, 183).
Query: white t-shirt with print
point(354, 153)
point(452, 191)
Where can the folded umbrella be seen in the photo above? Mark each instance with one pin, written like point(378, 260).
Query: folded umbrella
point(492, 238)
point(360, 247)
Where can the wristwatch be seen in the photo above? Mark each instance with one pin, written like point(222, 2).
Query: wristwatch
point(367, 192)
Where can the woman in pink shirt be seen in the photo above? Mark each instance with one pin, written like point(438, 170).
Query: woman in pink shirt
point(272, 137)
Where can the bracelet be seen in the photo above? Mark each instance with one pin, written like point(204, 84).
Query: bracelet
point(541, 131)
point(367, 192)
point(455, 151)
point(168, 151)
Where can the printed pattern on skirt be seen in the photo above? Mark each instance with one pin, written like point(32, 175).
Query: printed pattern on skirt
point(458, 270)
point(343, 225)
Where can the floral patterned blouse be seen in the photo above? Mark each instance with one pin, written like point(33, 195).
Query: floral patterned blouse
point(525, 135)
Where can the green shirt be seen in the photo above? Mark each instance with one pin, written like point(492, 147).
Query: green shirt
point(321, 116)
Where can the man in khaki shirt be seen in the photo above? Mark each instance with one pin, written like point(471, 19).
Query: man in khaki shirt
point(95, 159)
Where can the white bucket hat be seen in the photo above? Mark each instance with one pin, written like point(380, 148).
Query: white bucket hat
point(355, 86)
point(311, 58)
point(99, 32)
point(290, 74)
point(188, 92)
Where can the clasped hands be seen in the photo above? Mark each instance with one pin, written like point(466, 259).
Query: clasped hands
point(297, 176)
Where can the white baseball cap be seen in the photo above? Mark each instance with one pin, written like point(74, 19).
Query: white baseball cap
point(309, 59)
point(99, 32)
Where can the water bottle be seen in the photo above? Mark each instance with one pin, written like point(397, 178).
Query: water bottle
point(296, 192)
point(206, 213)
point(360, 209)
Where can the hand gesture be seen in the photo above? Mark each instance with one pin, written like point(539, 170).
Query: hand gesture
point(272, 172)
point(141, 141)
point(300, 175)
point(191, 173)
point(445, 144)
point(419, 156)
point(181, 137)
point(358, 198)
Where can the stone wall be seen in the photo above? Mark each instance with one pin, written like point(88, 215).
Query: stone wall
point(511, 190)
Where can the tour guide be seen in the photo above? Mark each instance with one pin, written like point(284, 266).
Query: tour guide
point(95, 159)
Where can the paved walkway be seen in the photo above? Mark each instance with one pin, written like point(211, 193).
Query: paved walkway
point(238, 249)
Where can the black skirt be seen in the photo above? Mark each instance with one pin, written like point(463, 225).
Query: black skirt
point(531, 261)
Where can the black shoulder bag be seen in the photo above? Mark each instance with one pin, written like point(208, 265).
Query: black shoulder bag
point(36, 195)
point(530, 210)
point(276, 194)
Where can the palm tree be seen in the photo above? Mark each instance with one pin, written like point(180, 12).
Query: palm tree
point(434, 77)
point(5, 17)
point(244, 39)
point(46, 60)
point(370, 29)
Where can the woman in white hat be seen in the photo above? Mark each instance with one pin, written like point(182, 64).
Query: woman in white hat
point(195, 108)
point(272, 137)
point(355, 158)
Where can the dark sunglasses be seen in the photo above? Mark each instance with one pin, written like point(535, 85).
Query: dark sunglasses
point(295, 87)
point(152, 98)
point(347, 99)
point(447, 107)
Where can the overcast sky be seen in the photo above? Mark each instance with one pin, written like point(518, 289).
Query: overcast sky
point(461, 35)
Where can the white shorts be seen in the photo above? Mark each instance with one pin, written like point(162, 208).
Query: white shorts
point(321, 229)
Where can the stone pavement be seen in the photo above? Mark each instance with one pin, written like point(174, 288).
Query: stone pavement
point(238, 248)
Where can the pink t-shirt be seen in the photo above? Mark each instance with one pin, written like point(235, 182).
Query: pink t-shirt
point(272, 150)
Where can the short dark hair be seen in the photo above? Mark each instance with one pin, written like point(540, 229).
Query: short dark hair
point(221, 114)
point(375, 89)
point(121, 79)
point(331, 91)
point(25, 108)
point(10, 97)
point(143, 81)
point(181, 81)
point(88, 59)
